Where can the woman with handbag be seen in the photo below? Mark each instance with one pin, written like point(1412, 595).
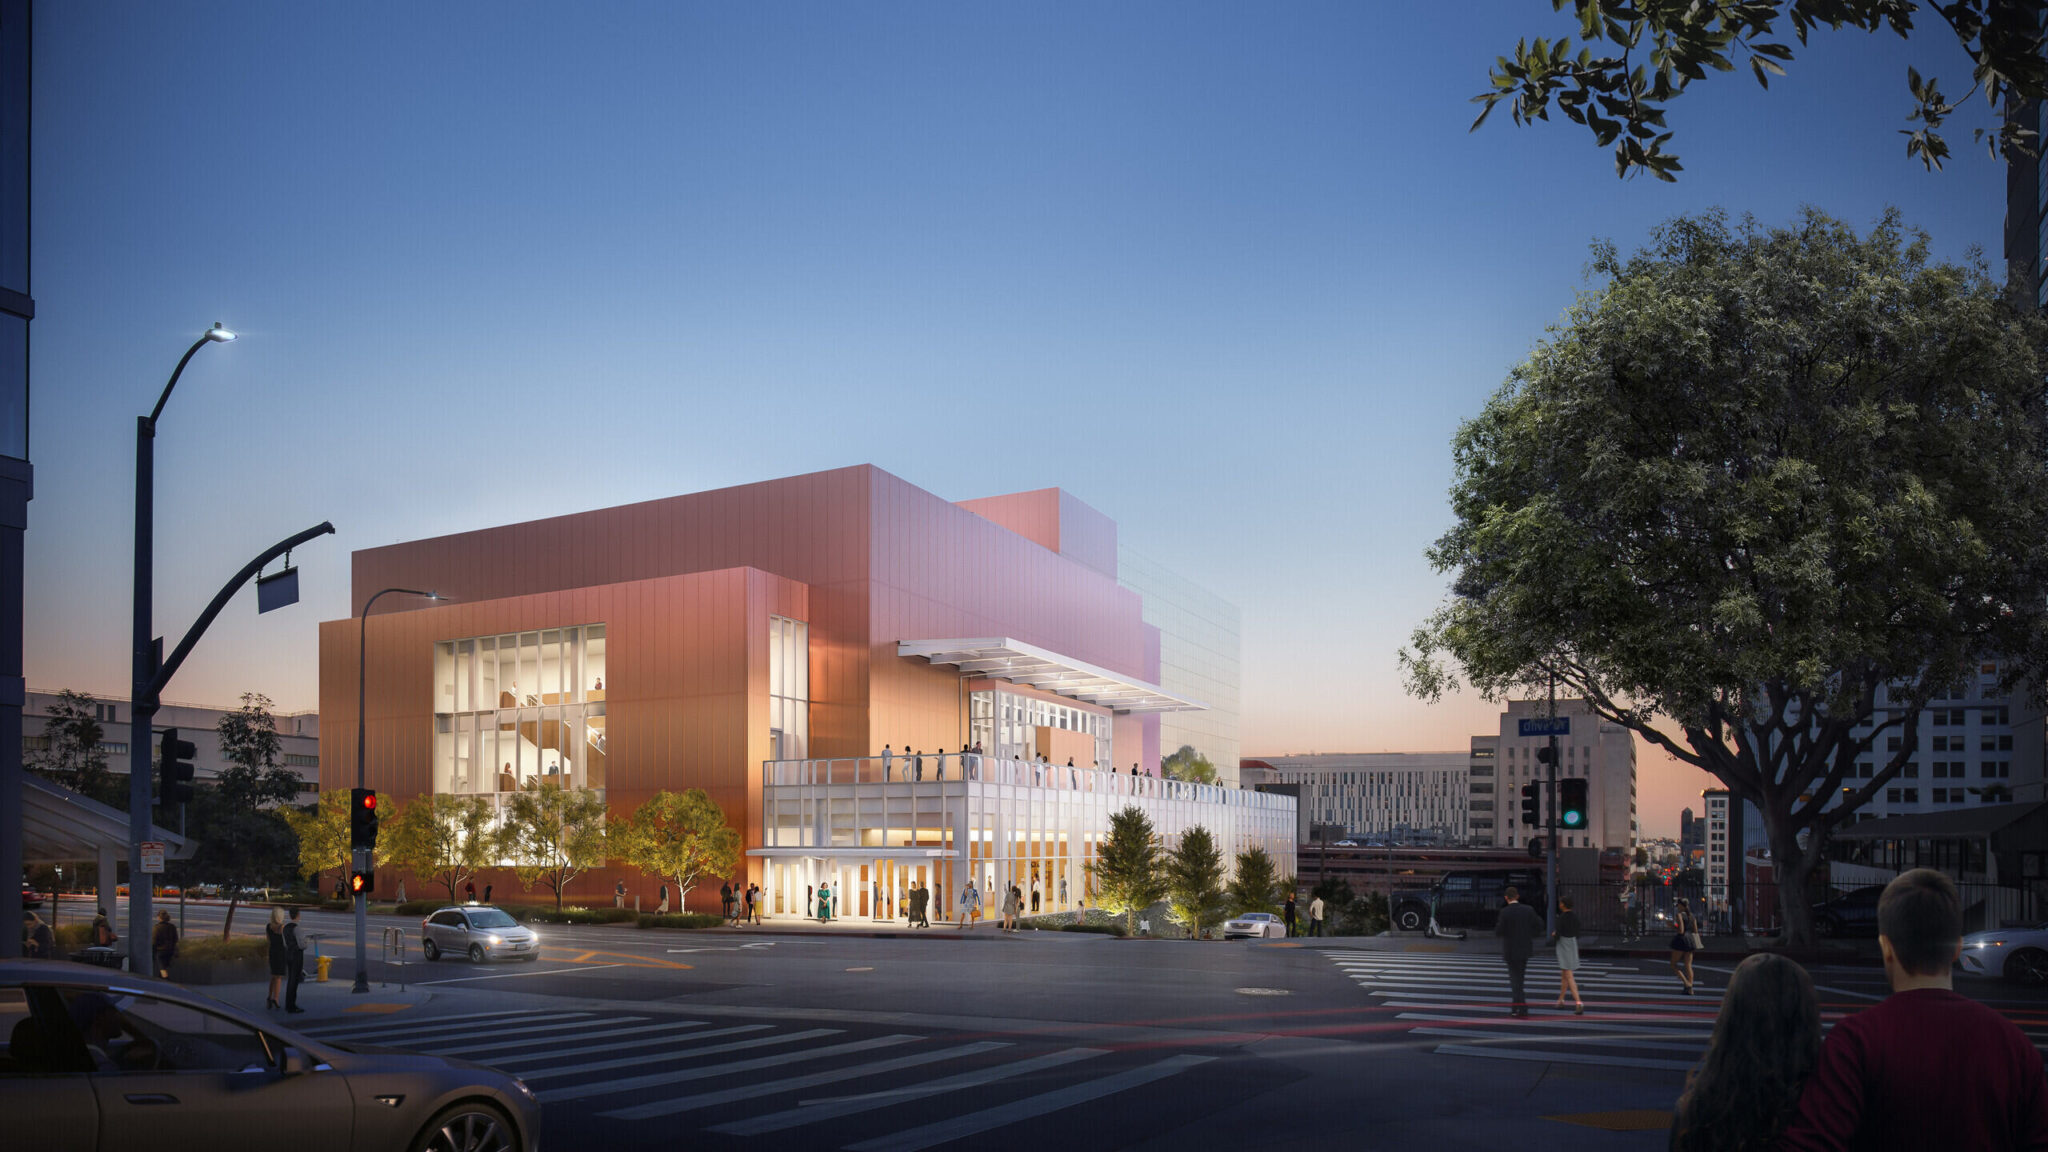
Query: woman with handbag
point(1684, 942)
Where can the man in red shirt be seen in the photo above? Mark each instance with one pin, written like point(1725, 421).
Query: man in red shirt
point(1927, 1068)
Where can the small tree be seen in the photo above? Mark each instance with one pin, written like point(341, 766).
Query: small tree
point(1184, 763)
point(242, 835)
point(442, 838)
point(1127, 874)
point(1194, 880)
point(323, 832)
point(680, 835)
point(1251, 890)
point(72, 754)
point(553, 834)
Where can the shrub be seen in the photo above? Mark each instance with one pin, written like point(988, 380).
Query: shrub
point(535, 915)
point(211, 949)
point(682, 920)
point(420, 907)
point(1100, 929)
point(73, 938)
point(1365, 916)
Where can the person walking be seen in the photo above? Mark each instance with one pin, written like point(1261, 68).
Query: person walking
point(939, 766)
point(1034, 893)
point(1287, 914)
point(1684, 942)
point(163, 944)
point(970, 904)
point(888, 759)
point(39, 942)
point(294, 962)
point(919, 897)
point(401, 891)
point(1566, 937)
point(1517, 928)
point(917, 765)
point(469, 892)
point(661, 909)
point(725, 900)
point(1063, 891)
point(619, 894)
point(1765, 1045)
point(103, 934)
point(754, 903)
point(487, 893)
point(1315, 915)
point(1011, 903)
point(273, 933)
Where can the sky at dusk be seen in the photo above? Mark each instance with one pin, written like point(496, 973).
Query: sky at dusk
point(1232, 274)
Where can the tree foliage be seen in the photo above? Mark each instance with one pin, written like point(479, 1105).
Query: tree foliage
point(1127, 873)
point(73, 754)
point(322, 829)
point(243, 836)
point(1194, 880)
point(1184, 763)
point(1770, 485)
point(1254, 888)
point(553, 834)
point(680, 835)
point(1635, 56)
point(441, 838)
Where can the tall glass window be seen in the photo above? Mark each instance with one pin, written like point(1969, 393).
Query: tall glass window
point(789, 688)
point(517, 708)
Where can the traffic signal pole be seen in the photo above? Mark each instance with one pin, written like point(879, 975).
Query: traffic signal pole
point(1550, 827)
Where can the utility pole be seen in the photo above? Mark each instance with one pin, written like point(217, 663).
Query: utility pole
point(1550, 821)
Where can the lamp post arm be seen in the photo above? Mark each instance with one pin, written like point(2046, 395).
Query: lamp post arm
point(175, 373)
point(220, 601)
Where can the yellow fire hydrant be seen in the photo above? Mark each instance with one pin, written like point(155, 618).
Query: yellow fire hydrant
point(325, 963)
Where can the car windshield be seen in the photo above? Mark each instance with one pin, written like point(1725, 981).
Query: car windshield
point(492, 918)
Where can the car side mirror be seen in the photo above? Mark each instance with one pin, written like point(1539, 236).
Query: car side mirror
point(294, 1063)
point(463, 927)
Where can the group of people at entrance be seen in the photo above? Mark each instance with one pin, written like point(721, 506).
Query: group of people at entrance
point(740, 905)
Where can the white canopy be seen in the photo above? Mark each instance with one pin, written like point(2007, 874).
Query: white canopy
point(1002, 658)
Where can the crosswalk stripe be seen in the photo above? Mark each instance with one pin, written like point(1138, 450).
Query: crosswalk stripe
point(1565, 1057)
point(514, 1062)
point(1441, 1003)
point(1677, 999)
point(608, 1033)
point(551, 1022)
point(355, 1027)
point(657, 1079)
point(1661, 1028)
point(1527, 1038)
point(642, 1058)
point(794, 1083)
point(812, 1113)
point(944, 1131)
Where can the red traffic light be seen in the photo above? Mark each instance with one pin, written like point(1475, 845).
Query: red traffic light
point(370, 800)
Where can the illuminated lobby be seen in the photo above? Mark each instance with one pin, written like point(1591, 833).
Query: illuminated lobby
point(765, 642)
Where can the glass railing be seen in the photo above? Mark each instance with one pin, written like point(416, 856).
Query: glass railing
point(980, 768)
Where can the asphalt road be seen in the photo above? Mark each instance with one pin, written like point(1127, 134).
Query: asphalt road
point(777, 1039)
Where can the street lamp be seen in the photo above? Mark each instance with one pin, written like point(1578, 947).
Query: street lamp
point(362, 664)
point(144, 657)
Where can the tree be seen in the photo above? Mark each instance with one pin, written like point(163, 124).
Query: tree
point(1187, 764)
point(442, 838)
point(1650, 50)
point(553, 834)
point(243, 838)
point(72, 753)
point(1194, 880)
point(680, 835)
point(322, 829)
point(1252, 889)
point(1127, 874)
point(1758, 479)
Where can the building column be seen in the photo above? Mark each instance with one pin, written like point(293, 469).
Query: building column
point(109, 865)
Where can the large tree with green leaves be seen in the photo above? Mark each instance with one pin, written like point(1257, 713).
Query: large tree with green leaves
point(1184, 763)
point(1763, 496)
point(680, 835)
point(72, 753)
point(1127, 873)
point(1194, 880)
point(1636, 56)
point(322, 829)
point(553, 834)
point(442, 838)
point(243, 836)
point(1254, 888)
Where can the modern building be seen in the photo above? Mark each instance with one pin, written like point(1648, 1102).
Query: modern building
point(1721, 844)
point(1407, 796)
point(1691, 834)
point(1487, 809)
point(766, 643)
point(2026, 205)
point(1601, 752)
point(17, 309)
point(1976, 745)
point(1198, 658)
point(298, 735)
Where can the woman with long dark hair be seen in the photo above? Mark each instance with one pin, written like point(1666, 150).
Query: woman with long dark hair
point(1765, 1044)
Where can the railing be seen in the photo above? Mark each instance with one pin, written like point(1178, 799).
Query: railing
point(982, 768)
point(1756, 909)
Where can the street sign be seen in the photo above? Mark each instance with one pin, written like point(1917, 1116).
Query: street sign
point(1546, 726)
point(152, 856)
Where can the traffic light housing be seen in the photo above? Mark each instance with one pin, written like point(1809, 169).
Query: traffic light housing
point(174, 768)
point(361, 882)
point(362, 818)
point(1572, 811)
point(1547, 754)
point(1532, 804)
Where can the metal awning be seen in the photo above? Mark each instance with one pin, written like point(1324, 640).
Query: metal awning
point(60, 826)
point(877, 853)
point(1002, 658)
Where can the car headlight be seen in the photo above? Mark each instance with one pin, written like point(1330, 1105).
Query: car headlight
point(497, 940)
point(1985, 944)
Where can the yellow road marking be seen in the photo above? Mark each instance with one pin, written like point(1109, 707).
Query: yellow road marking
point(582, 958)
point(1634, 1120)
point(621, 959)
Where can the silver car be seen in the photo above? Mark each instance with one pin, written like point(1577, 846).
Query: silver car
point(479, 932)
point(104, 1059)
point(1263, 925)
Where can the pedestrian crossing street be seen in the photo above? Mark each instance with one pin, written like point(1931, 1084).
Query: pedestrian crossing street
point(899, 1091)
point(1633, 1019)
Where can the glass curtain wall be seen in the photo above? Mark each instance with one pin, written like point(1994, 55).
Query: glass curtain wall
point(523, 707)
point(789, 688)
point(1005, 724)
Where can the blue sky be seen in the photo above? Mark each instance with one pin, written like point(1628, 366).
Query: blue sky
point(1232, 274)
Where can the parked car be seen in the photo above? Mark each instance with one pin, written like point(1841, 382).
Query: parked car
point(1463, 899)
point(1263, 925)
point(480, 933)
point(2016, 954)
point(99, 1058)
point(30, 898)
point(1853, 913)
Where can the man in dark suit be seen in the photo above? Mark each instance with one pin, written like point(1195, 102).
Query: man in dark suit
point(1518, 927)
point(294, 962)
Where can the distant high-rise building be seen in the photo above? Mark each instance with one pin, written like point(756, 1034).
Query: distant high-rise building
point(1409, 796)
point(1690, 832)
point(1601, 752)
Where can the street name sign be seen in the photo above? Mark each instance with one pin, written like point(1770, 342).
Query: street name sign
point(1546, 726)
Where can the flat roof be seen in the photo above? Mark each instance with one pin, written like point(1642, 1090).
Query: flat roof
point(1960, 822)
point(1002, 658)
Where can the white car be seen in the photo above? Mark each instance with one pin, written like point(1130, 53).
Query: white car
point(482, 934)
point(1264, 925)
point(2017, 954)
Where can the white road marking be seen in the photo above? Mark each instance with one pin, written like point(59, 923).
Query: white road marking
point(509, 975)
point(656, 1080)
point(810, 1112)
point(945, 1131)
point(643, 1058)
point(793, 1083)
